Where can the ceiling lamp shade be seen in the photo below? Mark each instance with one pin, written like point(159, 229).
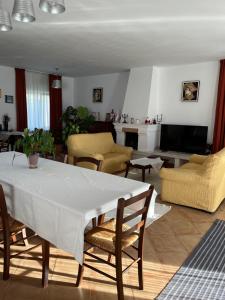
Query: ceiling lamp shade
point(57, 84)
point(52, 6)
point(5, 21)
point(23, 11)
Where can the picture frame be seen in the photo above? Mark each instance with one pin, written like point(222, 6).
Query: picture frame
point(8, 99)
point(190, 91)
point(97, 95)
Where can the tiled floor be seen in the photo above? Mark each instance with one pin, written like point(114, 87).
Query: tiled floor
point(168, 242)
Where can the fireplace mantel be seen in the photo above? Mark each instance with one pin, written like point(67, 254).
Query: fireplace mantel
point(148, 135)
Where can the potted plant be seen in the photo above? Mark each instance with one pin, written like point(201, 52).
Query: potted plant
point(76, 120)
point(35, 143)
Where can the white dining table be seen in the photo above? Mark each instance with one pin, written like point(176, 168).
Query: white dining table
point(58, 200)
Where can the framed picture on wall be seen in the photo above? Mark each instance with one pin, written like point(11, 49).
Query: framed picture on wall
point(190, 91)
point(97, 95)
point(8, 99)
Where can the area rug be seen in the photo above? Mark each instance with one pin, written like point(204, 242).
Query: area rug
point(202, 276)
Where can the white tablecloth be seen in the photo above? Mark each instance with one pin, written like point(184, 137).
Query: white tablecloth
point(57, 200)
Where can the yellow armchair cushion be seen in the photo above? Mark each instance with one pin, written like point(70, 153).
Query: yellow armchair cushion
point(197, 159)
point(113, 162)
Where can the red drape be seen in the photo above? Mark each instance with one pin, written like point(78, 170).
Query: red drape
point(55, 105)
point(219, 127)
point(21, 103)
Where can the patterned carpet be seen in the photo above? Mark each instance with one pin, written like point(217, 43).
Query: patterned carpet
point(202, 276)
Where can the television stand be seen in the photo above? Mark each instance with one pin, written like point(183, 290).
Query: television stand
point(179, 157)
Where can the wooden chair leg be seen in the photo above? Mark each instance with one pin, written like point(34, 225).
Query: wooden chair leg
point(80, 275)
point(127, 170)
point(101, 219)
point(24, 236)
point(94, 222)
point(119, 277)
point(45, 263)
point(143, 174)
point(140, 274)
point(6, 258)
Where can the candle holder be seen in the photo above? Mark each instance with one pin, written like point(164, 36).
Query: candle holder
point(159, 119)
point(125, 117)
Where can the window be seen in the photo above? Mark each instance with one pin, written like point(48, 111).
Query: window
point(38, 103)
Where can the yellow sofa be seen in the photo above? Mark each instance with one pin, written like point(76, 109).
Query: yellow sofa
point(200, 183)
point(99, 146)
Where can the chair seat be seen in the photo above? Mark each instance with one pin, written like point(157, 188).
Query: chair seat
point(14, 225)
point(103, 236)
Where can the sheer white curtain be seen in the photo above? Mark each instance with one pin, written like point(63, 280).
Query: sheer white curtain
point(38, 104)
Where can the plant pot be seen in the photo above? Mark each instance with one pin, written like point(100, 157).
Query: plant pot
point(33, 160)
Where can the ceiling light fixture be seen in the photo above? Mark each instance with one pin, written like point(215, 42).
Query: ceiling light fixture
point(52, 6)
point(23, 11)
point(57, 83)
point(5, 20)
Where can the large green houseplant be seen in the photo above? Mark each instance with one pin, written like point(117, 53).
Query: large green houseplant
point(76, 120)
point(33, 144)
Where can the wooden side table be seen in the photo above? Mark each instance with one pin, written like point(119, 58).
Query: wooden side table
point(137, 166)
point(142, 167)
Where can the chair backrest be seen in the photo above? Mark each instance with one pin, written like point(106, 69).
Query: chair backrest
point(141, 202)
point(4, 217)
point(91, 160)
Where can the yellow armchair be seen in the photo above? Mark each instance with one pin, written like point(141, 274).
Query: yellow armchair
point(200, 183)
point(99, 146)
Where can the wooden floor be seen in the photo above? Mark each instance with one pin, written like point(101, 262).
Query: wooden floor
point(168, 242)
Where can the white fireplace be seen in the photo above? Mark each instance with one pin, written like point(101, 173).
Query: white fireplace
point(148, 135)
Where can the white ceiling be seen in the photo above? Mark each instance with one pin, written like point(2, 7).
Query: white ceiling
point(104, 36)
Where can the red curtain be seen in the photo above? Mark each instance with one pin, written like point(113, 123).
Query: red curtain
point(55, 105)
point(219, 127)
point(21, 103)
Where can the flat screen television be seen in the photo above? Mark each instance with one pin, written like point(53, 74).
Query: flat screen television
point(184, 138)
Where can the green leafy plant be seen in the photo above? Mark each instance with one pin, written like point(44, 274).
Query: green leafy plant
point(39, 141)
point(76, 120)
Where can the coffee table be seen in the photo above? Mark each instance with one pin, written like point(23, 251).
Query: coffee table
point(142, 164)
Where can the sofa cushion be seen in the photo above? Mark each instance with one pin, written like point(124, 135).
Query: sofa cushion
point(113, 162)
point(191, 166)
point(212, 166)
point(221, 153)
point(92, 143)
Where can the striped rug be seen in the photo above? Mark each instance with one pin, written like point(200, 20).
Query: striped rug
point(202, 276)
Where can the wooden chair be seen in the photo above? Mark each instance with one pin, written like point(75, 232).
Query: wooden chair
point(10, 229)
point(91, 160)
point(116, 236)
point(4, 146)
point(77, 160)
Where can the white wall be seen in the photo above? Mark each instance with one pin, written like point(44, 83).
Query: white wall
point(68, 92)
point(153, 108)
point(7, 85)
point(114, 89)
point(197, 113)
point(137, 98)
